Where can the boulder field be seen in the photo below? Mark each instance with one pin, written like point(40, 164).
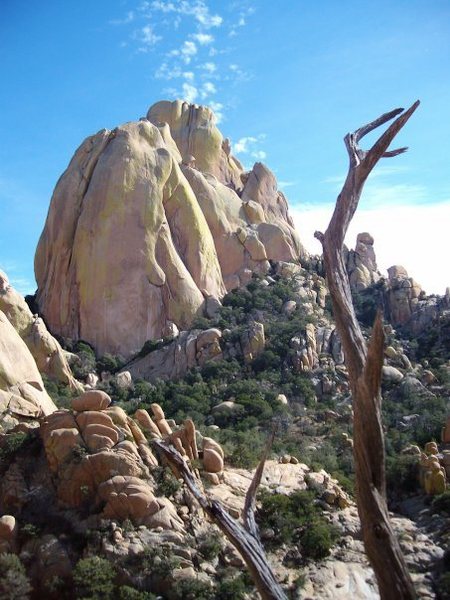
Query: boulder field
point(148, 222)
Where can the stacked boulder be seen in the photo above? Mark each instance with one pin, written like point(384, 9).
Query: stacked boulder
point(101, 457)
point(432, 475)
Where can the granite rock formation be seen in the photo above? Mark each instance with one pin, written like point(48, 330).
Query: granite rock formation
point(150, 220)
point(22, 393)
point(46, 350)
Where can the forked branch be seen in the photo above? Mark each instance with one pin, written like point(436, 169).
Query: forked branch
point(245, 538)
point(364, 364)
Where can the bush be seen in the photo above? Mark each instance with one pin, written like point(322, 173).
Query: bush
point(401, 475)
point(444, 586)
point(93, 578)
point(12, 443)
point(193, 589)
point(166, 483)
point(110, 363)
point(87, 358)
point(125, 592)
point(231, 589)
point(14, 583)
point(210, 545)
point(317, 539)
point(441, 503)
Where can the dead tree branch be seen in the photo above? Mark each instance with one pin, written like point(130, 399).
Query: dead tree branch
point(244, 538)
point(364, 364)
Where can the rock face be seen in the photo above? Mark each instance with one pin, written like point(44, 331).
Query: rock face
point(46, 351)
point(22, 392)
point(403, 295)
point(137, 236)
point(361, 263)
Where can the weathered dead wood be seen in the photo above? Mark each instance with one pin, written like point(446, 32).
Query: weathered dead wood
point(244, 538)
point(364, 365)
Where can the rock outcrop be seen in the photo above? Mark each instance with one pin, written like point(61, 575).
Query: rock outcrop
point(46, 350)
point(403, 295)
point(22, 393)
point(140, 232)
point(362, 264)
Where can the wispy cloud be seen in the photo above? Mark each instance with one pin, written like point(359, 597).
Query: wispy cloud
point(250, 146)
point(147, 38)
point(284, 184)
point(203, 38)
point(128, 18)
point(189, 40)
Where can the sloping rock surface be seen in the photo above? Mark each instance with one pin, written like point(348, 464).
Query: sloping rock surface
point(148, 221)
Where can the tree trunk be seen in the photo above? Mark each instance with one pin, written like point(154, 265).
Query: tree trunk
point(364, 366)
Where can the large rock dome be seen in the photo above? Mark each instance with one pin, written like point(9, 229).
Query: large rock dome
point(148, 221)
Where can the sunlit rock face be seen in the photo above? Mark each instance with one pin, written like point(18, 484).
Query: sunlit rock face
point(147, 222)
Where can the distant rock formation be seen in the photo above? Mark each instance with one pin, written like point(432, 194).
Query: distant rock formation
point(148, 221)
point(405, 302)
point(362, 264)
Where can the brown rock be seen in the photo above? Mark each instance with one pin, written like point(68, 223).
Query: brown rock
point(91, 400)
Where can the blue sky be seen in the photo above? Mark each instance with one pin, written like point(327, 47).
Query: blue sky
point(287, 79)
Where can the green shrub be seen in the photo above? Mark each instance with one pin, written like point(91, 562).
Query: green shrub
point(231, 589)
point(109, 363)
point(126, 592)
point(166, 483)
point(444, 586)
point(87, 360)
point(401, 475)
point(441, 503)
point(93, 578)
point(210, 545)
point(317, 539)
point(193, 589)
point(14, 583)
point(12, 443)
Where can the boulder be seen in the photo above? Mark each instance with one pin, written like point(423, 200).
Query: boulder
point(361, 263)
point(391, 374)
point(22, 392)
point(45, 349)
point(91, 400)
point(8, 533)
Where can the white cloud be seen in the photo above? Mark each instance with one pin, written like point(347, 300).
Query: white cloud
point(412, 235)
point(208, 89)
point(209, 67)
point(148, 37)
point(195, 8)
point(248, 145)
point(259, 154)
point(189, 75)
point(190, 92)
point(203, 38)
point(187, 51)
point(242, 145)
point(217, 108)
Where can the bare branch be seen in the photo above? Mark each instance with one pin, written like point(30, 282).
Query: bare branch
point(247, 544)
point(365, 129)
point(382, 144)
point(391, 153)
point(248, 515)
point(365, 365)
